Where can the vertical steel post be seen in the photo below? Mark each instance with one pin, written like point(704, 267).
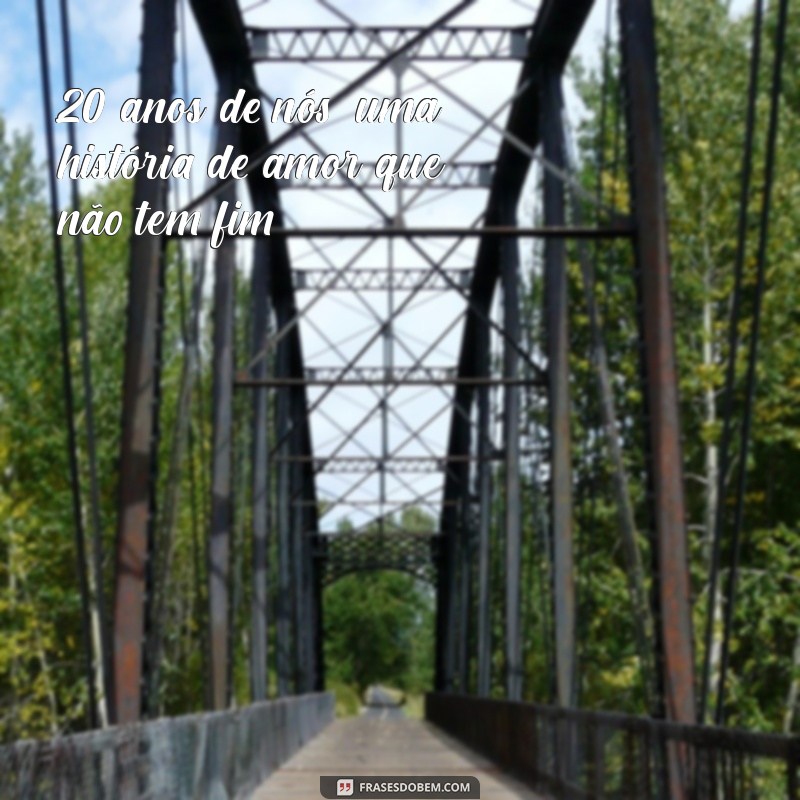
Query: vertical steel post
point(443, 632)
point(447, 589)
point(648, 203)
point(484, 449)
point(556, 314)
point(317, 608)
point(297, 518)
point(219, 546)
point(464, 585)
point(282, 502)
point(261, 474)
point(311, 615)
point(137, 445)
point(509, 276)
point(451, 587)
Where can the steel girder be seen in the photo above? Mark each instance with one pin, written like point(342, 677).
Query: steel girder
point(533, 119)
point(556, 316)
point(262, 494)
point(341, 554)
point(225, 38)
point(222, 506)
point(554, 34)
point(674, 637)
point(140, 383)
point(448, 43)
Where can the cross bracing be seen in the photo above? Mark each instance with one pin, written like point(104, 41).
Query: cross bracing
point(391, 360)
point(371, 393)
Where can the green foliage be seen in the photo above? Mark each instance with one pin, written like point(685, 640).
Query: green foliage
point(40, 646)
point(703, 71)
point(379, 629)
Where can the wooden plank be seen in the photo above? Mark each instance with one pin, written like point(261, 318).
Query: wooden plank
point(368, 746)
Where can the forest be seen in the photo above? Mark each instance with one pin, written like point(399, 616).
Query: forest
point(379, 627)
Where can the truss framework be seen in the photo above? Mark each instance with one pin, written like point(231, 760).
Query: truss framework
point(458, 175)
point(342, 554)
point(380, 279)
point(483, 388)
point(462, 43)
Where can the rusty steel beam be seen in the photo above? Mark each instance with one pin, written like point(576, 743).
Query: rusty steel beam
point(512, 520)
point(674, 637)
point(283, 631)
point(224, 35)
point(139, 390)
point(219, 544)
point(554, 34)
point(665, 465)
point(556, 316)
point(484, 447)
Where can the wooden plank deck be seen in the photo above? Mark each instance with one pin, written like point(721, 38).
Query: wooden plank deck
point(384, 746)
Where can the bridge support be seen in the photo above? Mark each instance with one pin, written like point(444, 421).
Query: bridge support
point(665, 472)
point(138, 443)
point(556, 316)
point(262, 505)
point(219, 545)
point(675, 658)
point(484, 448)
point(509, 277)
point(282, 500)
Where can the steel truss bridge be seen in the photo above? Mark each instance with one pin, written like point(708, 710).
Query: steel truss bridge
point(391, 368)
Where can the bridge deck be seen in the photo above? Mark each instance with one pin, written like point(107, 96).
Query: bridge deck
point(384, 746)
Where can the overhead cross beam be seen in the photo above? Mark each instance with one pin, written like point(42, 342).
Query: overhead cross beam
point(341, 554)
point(342, 44)
point(379, 279)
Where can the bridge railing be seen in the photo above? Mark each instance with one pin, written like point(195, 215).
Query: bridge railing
point(214, 756)
point(591, 755)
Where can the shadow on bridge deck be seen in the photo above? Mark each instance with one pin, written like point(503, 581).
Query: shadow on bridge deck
point(369, 746)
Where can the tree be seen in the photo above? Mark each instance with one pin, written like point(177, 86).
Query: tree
point(703, 80)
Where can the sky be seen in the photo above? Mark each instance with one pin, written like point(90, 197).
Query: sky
point(105, 39)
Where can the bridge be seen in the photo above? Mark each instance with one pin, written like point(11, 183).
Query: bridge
point(391, 386)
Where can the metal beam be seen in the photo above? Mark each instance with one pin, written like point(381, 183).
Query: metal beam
point(512, 500)
point(556, 316)
point(283, 631)
point(459, 175)
point(555, 32)
point(139, 391)
point(665, 464)
point(223, 31)
point(219, 547)
point(484, 447)
point(379, 279)
point(345, 44)
point(361, 464)
point(259, 299)
point(612, 231)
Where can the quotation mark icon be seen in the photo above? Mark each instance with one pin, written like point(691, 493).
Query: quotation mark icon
point(344, 787)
